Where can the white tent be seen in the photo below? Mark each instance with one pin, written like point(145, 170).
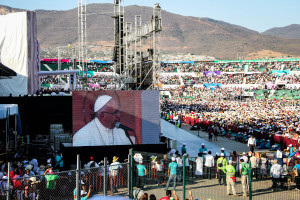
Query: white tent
point(19, 51)
point(7, 110)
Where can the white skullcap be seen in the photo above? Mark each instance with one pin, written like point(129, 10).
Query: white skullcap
point(173, 158)
point(222, 154)
point(230, 161)
point(244, 153)
point(101, 101)
point(290, 145)
point(222, 148)
point(203, 144)
point(184, 143)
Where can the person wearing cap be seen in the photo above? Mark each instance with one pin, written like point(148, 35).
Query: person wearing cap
point(268, 144)
point(275, 172)
point(172, 171)
point(223, 151)
point(92, 163)
point(208, 165)
point(102, 129)
point(199, 165)
point(244, 171)
point(114, 170)
point(252, 143)
point(3, 188)
point(83, 192)
point(51, 179)
point(183, 149)
point(229, 170)
point(142, 172)
point(221, 164)
point(202, 148)
point(279, 155)
point(245, 157)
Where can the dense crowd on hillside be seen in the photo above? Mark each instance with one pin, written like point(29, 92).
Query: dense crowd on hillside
point(230, 67)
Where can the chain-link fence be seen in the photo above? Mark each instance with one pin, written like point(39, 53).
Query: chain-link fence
point(153, 174)
point(107, 179)
point(211, 182)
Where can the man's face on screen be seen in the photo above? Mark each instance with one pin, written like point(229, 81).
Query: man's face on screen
point(110, 114)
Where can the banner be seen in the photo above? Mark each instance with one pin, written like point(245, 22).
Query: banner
point(210, 73)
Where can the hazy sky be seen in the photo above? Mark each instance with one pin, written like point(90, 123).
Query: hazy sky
point(258, 15)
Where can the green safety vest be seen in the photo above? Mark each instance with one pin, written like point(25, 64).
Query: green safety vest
point(245, 168)
point(229, 170)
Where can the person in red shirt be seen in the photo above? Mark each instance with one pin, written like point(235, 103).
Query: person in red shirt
point(168, 193)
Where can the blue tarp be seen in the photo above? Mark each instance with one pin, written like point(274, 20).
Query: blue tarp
point(279, 72)
point(101, 61)
point(212, 85)
point(173, 62)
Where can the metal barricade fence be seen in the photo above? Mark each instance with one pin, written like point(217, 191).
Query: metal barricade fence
point(50, 186)
point(62, 185)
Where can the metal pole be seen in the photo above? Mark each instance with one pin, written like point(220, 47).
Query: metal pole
point(8, 182)
point(78, 178)
point(16, 118)
point(105, 177)
point(6, 129)
point(129, 175)
point(250, 186)
point(183, 177)
point(131, 172)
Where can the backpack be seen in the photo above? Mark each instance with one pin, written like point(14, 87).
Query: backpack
point(221, 163)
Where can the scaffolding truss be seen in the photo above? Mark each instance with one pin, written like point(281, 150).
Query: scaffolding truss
point(137, 67)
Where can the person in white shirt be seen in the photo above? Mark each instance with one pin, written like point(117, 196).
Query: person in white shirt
point(244, 157)
point(254, 165)
point(179, 167)
point(275, 173)
point(102, 129)
point(91, 164)
point(209, 164)
point(199, 165)
point(252, 143)
point(114, 170)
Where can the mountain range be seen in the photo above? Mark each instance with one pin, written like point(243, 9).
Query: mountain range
point(181, 34)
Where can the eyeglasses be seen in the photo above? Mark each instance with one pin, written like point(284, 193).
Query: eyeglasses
point(117, 112)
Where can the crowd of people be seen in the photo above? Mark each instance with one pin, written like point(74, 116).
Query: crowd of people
point(201, 66)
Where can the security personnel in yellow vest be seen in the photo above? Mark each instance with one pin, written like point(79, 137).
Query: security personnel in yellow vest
point(221, 164)
point(229, 170)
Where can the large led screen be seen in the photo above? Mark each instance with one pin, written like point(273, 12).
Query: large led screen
point(103, 118)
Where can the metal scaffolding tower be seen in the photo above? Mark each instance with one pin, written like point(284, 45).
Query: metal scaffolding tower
point(137, 69)
point(82, 36)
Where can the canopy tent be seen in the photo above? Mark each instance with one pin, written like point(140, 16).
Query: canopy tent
point(55, 60)
point(210, 73)
point(54, 73)
point(7, 110)
point(102, 61)
point(174, 62)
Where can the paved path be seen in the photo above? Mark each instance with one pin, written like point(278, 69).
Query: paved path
point(222, 142)
point(190, 137)
point(182, 136)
